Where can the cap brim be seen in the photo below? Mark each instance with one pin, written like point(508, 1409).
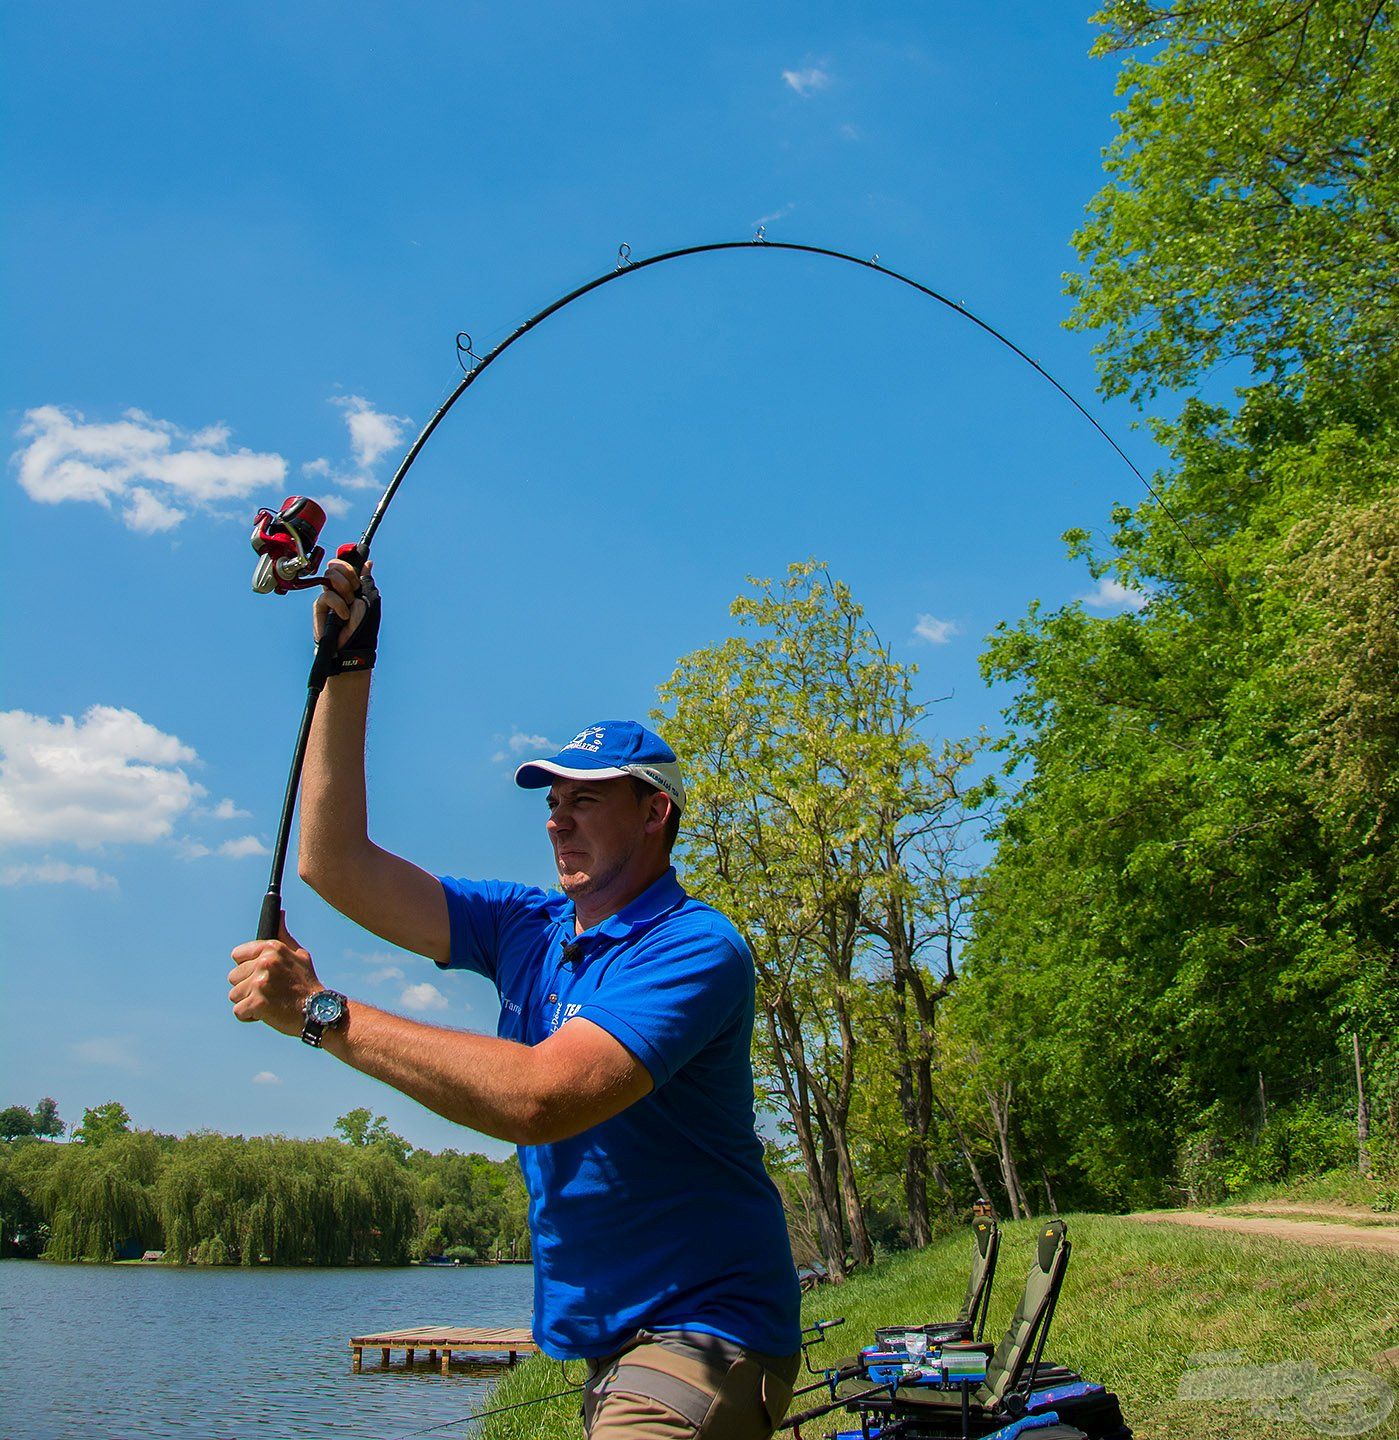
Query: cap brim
point(536, 774)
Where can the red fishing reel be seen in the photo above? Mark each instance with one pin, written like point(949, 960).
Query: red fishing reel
point(285, 541)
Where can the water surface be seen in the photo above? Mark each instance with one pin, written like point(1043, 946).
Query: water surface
point(154, 1351)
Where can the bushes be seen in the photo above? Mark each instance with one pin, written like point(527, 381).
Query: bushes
point(1219, 1161)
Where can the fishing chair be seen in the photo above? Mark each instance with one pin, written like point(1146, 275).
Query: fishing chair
point(1016, 1384)
point(971, 1318)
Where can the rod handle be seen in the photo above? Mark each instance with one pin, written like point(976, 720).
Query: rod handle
point(269, 921)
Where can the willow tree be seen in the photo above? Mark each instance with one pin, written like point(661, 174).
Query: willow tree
point(100, 1201)
point(806, 773)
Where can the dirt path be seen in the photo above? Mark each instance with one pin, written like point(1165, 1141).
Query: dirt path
point(1301, 1209)
point(1305, 1232)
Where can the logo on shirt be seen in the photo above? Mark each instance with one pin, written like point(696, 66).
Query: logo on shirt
point(513, 1006)
point(590, 739)
point(561, 1015)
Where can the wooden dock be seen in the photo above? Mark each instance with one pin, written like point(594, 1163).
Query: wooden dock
point(445, 1340)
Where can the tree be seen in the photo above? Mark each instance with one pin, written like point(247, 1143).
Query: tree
point(1252, 207)
point(355, 1125)
point(811, 793)
point(46, 1121)
point(102, 1122)
point(15, 1121)
point(358, 1127)
point(99, 1197)
point(1193, 879)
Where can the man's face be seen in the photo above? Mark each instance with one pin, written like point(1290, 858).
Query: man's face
point(596, 828)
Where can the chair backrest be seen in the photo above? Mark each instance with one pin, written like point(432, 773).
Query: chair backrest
point(1030, 1324)
point(978, 1297)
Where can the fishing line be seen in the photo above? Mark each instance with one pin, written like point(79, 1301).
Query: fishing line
point(486, 1414)
point(324, 663)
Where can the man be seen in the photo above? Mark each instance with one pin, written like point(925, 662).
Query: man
point(620, 1069)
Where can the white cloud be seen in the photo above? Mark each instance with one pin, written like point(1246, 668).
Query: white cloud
point(382, 964)
point(227, 810)
point(107, 777)
point(110, 1052)
point(779, 214)
point(57, 872)
point(150, 468)
point(808, 81)
point(521, 744)
point(851, 132)
point(266, 1077)
point(372, 433)
point(423, 997)
point(238, 849)
point(1110, 594)
point(935, 631)
point(146, 513)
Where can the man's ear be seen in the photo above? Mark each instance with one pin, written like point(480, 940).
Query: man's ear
point(659, 806)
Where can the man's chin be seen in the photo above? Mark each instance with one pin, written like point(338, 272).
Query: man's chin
point(575, 883)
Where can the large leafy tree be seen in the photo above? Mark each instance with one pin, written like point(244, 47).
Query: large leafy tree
point(816, 817)
point(1252, 204)
point(1195, 870)
point(1194, 876)
point(101, 1122)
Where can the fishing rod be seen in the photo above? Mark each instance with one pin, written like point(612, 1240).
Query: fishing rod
point(286, 540)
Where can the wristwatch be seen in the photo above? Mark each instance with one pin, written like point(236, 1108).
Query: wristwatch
point(324, 1009)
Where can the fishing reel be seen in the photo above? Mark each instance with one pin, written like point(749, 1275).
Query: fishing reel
point(285, 542)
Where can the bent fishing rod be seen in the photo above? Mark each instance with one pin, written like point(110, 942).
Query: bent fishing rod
point(286, 539)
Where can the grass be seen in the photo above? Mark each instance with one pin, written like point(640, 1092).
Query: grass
point(1298, 1211)
point(1138, 1302)
point(1333, 1187)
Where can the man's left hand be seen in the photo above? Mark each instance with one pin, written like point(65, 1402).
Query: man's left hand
point(271, 981)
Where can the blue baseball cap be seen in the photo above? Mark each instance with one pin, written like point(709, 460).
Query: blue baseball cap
point(607, 751)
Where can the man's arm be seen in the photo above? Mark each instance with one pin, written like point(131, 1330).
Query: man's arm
point(374, 887)
point(527, 1094)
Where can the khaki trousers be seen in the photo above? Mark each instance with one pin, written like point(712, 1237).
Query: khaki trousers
point(682, 1385)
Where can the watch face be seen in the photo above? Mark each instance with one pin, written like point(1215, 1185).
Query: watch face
point(325, 1009)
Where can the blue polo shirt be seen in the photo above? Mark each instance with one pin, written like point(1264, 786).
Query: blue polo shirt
point(661, 1218)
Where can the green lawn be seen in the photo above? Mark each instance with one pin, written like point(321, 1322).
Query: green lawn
point(1138, 1302)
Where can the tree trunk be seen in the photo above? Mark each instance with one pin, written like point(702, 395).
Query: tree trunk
point(962, 1144)
point(797, 1093)
point(860, 1247)
point(1362, 1113)
point(915, 1176)
point(999, 1107)
point(1048, 1192)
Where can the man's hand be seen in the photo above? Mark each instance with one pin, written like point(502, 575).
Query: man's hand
point(345, 598)
point(271, 981)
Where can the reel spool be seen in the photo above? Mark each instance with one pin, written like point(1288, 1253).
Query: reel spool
point(285, 542)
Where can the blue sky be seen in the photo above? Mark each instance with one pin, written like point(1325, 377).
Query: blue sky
point(238, 243)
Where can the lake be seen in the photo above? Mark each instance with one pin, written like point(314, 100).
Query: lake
point(151, 1350)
